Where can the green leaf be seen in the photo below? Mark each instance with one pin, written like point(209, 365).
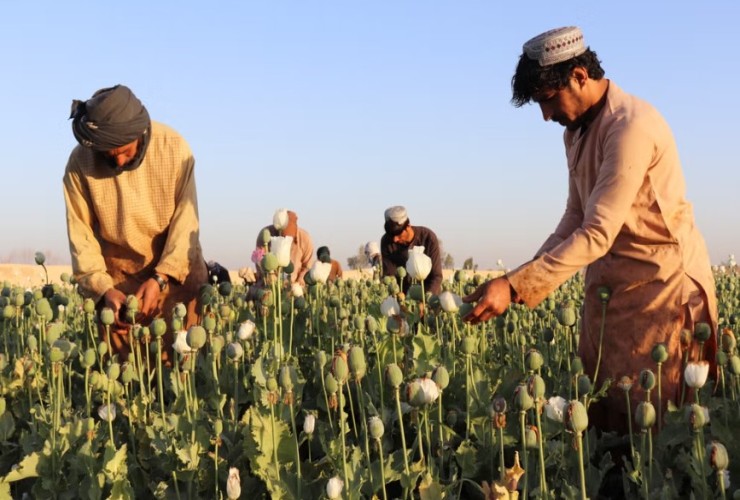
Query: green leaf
point(7, 426)
point(115, 461)
point(426, 352)
point(429, 489)
point(27, 468)
point(467, 458)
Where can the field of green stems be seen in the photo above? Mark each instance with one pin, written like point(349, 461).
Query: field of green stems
point(346, 390)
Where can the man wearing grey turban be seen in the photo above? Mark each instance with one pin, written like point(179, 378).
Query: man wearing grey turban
point(132, 213)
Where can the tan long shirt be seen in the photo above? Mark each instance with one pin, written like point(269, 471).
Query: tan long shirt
point(124, 227)
point(627, 220)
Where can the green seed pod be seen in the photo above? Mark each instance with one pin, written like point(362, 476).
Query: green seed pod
point(685, 338)
point(647, 380)
point(32, 343)
point(102, 349)
point(697, 416)
point(289, 268)
point(357, 364)
point(359, 323)
point(376, 427)
point(659, 353)
point(127, 374)
point(269, 262)
point(2, 407)
point(53, 332)
point(300, 303)
point(415, 292)
point(576, 417)
point(735, 364)
point(441, 377)
point(401, 272)
point(451, 418)
point(469, 345)
point(224, 311)
point(209, 322)
point(728, 341)
point(265, 237)
point(217, 343)
point(224, 289)
point(179, 311)
point(533, 361)
point(106, 316)
point(702, 332)
point(531, 438)
point(114, 370)
point(218, 427)
point(523, 401)
point(459, 276)
point(88, 358)
point(8, 312)
point(372, 324)
point(234, 351)
point(158, 327)
point(576, 366)
point(40, 258)
point(536, 386)
point(465, 309)
point(320, 359)
point(132, 303)
point(196, 337)
point(414, 394)
point(56, 355)
point(716, 451)
point(19, 299)
point(567, 316)
point(271, 384)
point(287, 376)
point(331, 384)
point(339, 367)
point(604, 294)
point(645, 415)
point(266, 298)
point(393, 375)
point(584, 384)
point(548, 335)
point(722, 358)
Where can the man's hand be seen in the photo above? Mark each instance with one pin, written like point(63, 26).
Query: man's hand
point(493, 298)
point(115, 299)
point(148, 295)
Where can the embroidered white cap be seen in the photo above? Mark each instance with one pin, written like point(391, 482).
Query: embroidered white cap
point(556, 45)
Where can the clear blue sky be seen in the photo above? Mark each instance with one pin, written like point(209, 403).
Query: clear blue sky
point(340, 109)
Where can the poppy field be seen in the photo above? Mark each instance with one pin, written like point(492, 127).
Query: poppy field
point(349, 390)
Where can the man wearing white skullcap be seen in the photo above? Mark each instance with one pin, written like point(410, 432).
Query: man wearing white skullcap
point(626, 220)
point(399, 237)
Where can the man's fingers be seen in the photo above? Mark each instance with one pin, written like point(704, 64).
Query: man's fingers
point(473, 297)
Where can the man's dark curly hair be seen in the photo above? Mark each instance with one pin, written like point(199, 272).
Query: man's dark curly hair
point(530, 78)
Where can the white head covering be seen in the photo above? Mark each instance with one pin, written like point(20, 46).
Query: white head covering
point(397, 214)
point(556, 45)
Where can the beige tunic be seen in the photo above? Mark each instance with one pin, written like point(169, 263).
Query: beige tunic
point(122, 228)
point(628, 222)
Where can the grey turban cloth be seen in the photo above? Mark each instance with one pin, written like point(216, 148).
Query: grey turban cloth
point(111, 118)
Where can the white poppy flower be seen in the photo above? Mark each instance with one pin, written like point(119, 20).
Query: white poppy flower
point(695, 374)
point(334, 488)
point(297, 290)
point(233, 484)
point(555, 407)
point(449, 301)
point(418, 265)
point(181, 343)
point(107, 413)
point(280, 219)
point(246, 330)
point(309, 424)
point(429, 389)
point(280, 248)
point(320, 271)
point(390, 307)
